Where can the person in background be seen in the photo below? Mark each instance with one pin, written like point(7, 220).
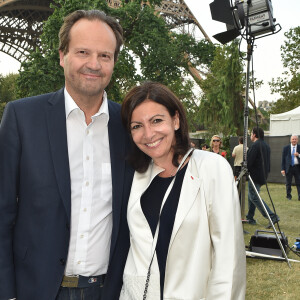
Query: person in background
point(216, 144)
point(64, 181)
point(204, 147)
point(290, 166)
point(237, 154)
point(258, 163)
point(183, 211)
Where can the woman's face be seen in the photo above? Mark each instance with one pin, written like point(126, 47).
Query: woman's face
point(216, 142)
point(153, 130)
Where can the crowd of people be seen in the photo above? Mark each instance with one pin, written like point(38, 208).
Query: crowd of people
point(103, 201)
point(258, 167)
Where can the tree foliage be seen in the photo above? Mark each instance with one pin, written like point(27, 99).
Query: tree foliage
point(8, 87)
point(152, 51)
point(2, 106)
point(222, 104)
point(7, 90)
point(288, 85)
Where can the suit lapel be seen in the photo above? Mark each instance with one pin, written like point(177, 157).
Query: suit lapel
point(140, 184)
point(56, 120)
point(189, 191)
point(117, 142)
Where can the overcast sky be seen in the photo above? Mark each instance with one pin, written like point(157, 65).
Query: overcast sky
point(266, 55)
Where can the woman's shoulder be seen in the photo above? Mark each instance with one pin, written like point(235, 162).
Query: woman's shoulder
point(203, 154)
point(207, 158)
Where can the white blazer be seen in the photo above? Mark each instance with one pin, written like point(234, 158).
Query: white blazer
point(206, 257)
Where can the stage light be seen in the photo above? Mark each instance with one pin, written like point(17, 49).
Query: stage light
point(254, 15)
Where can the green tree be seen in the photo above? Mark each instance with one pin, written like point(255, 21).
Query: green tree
point(2, 106)
point(152, 51)
point(7, 90)
point(222, 104)
point(288, 85)
point(8, 87)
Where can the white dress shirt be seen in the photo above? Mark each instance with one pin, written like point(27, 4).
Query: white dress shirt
point(91, 190)
point(296, 162)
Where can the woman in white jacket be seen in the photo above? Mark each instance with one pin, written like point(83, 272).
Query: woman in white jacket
point(183, 212)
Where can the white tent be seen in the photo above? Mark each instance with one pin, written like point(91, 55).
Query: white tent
point(287, 123)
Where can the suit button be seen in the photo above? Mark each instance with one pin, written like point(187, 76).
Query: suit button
point(67, 226)
point(62, 261)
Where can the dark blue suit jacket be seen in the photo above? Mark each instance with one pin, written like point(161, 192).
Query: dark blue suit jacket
point(35, 197)
point(258, 160)
point(287, 157)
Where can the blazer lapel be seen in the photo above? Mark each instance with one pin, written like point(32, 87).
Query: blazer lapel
point(117, 146)
point(189, 191)
point(140, 184)
point(142, 181)
point(56, 119)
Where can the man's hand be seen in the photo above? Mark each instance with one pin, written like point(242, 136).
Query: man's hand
point(282, 172)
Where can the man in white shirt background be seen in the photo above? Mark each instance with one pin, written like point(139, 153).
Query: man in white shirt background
point(237, 154)
point(290, 166)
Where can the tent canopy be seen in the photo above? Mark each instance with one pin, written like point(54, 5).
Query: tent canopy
point(287, 123)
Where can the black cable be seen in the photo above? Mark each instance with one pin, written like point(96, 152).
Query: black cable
point(256, 121)
point(240, 52)
point(295, 252)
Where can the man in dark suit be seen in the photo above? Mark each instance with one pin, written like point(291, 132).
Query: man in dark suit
point(290, 166)
point(258, 162)
point(64, 182)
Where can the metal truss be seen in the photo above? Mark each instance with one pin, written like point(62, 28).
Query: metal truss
point(21, 22)
point(21, 25)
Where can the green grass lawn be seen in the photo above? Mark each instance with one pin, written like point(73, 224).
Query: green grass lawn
point(269, 279)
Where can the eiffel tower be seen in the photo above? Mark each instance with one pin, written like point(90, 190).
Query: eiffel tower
point(21, 22)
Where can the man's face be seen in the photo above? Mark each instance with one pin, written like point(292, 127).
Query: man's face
point(89, 63)
point(294, 140)
point(252, 136)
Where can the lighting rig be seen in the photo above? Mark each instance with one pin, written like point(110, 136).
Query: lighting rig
point(251, 19)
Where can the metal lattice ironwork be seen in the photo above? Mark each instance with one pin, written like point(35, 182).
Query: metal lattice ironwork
point(21, 22)
point(21, 25)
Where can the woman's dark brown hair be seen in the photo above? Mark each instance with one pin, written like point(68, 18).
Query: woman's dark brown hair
point(160, 94)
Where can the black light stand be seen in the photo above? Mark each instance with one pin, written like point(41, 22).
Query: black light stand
point(244, 172)
point(257, 18)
